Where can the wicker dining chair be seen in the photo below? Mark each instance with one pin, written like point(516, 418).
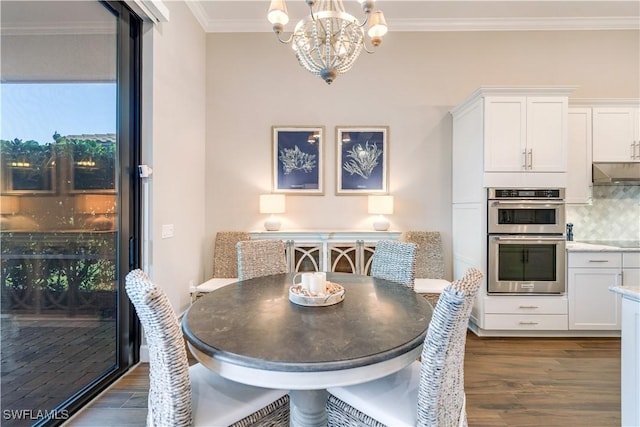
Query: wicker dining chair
point(396, 261)
point(225, 262)
point(258, 258)
point(429, 281)
point(183, 395)
point(427, 393)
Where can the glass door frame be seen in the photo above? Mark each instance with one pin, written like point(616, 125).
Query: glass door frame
point(129, 56)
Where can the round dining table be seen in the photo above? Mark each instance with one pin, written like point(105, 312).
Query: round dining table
point(251, 332)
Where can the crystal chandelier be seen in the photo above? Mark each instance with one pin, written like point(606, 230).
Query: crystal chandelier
point(329, 40)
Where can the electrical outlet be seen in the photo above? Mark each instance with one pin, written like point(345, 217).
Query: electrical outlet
point(167, 231)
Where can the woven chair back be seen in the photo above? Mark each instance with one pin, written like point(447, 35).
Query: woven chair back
point(396, 261)
point(169, 383)
point(258, 258)
point(441, 389)
point(429, 259)
point(225, 258)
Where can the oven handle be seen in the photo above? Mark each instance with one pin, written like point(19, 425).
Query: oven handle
point(529, 238)
point(527, 202)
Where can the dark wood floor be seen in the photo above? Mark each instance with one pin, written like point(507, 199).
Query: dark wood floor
point(508, 381)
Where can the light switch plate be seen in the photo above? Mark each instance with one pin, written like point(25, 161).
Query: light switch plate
point(167, 231)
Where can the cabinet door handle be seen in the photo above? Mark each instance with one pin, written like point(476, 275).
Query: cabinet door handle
point(529, 306)
point(633, 150)
point(524, 159)
point(530, 158)
point(598, 260)
point(522, 322)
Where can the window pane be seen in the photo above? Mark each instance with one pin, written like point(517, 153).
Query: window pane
point(58, 204)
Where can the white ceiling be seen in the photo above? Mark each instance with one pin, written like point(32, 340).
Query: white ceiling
point(432, 15)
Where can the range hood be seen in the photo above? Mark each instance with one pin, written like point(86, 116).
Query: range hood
point(612, 172)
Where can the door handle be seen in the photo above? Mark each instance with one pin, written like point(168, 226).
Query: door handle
point(530, 158)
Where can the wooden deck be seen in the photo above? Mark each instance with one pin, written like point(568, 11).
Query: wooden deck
point(508, 381)
point(47, 359)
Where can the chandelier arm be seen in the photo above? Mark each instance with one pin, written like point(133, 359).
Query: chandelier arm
point(286, 41)
point(313, 18)
point(366, 20)
point(366, 48)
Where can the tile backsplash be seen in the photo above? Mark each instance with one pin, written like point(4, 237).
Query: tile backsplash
point(614, 214)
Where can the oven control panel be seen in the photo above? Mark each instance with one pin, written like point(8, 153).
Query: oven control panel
point(526, 193)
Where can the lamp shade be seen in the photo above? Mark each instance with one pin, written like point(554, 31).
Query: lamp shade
point(278, 12)
point(271, 203)
point(377, 25)
point(382, 205)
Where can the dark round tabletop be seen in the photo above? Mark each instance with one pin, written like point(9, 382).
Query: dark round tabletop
point(253, 324)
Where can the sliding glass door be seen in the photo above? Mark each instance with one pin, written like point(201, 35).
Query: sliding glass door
point(68, 203)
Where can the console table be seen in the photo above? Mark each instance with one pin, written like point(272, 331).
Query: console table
point(328, 250)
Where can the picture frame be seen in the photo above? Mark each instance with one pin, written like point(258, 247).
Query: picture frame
point(362, 160)
point(298, 159)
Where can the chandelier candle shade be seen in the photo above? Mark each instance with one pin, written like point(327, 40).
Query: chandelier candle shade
point(272, 204)
point(329, 40)
point(380, 205)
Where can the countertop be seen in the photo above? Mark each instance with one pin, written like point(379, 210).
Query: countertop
point(604, 246)
point(630, 292)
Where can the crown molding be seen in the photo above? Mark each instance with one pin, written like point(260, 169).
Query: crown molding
point(516, 24)
point(450, 24)
point(153, 10)
point(201, 16)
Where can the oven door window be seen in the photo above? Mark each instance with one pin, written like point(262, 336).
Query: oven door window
point(527, 262)
point(518, 216)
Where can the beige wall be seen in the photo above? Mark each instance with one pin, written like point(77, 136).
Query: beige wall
point(254, 82)
point(174, 146)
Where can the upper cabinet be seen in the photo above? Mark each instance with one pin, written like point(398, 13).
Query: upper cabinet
point(616, 134)
point(579, 187)
point(525, 133)
point(520, 132)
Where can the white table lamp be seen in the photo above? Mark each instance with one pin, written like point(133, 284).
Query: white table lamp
point(380, 205)
point(272, 204)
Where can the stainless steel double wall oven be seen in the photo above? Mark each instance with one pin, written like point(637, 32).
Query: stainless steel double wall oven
point(526, 241)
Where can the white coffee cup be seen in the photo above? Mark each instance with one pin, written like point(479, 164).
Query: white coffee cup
point(307, 279)
point(319, 283)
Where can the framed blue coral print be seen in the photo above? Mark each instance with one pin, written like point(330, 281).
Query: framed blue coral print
point(297, 159)
point(362, 155)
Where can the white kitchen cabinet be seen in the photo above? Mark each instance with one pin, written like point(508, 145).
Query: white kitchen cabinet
point(616, 134)
point(525, 133)
point(526, 313)
point(579, 169)
point(631, 268)
point(591, 305)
